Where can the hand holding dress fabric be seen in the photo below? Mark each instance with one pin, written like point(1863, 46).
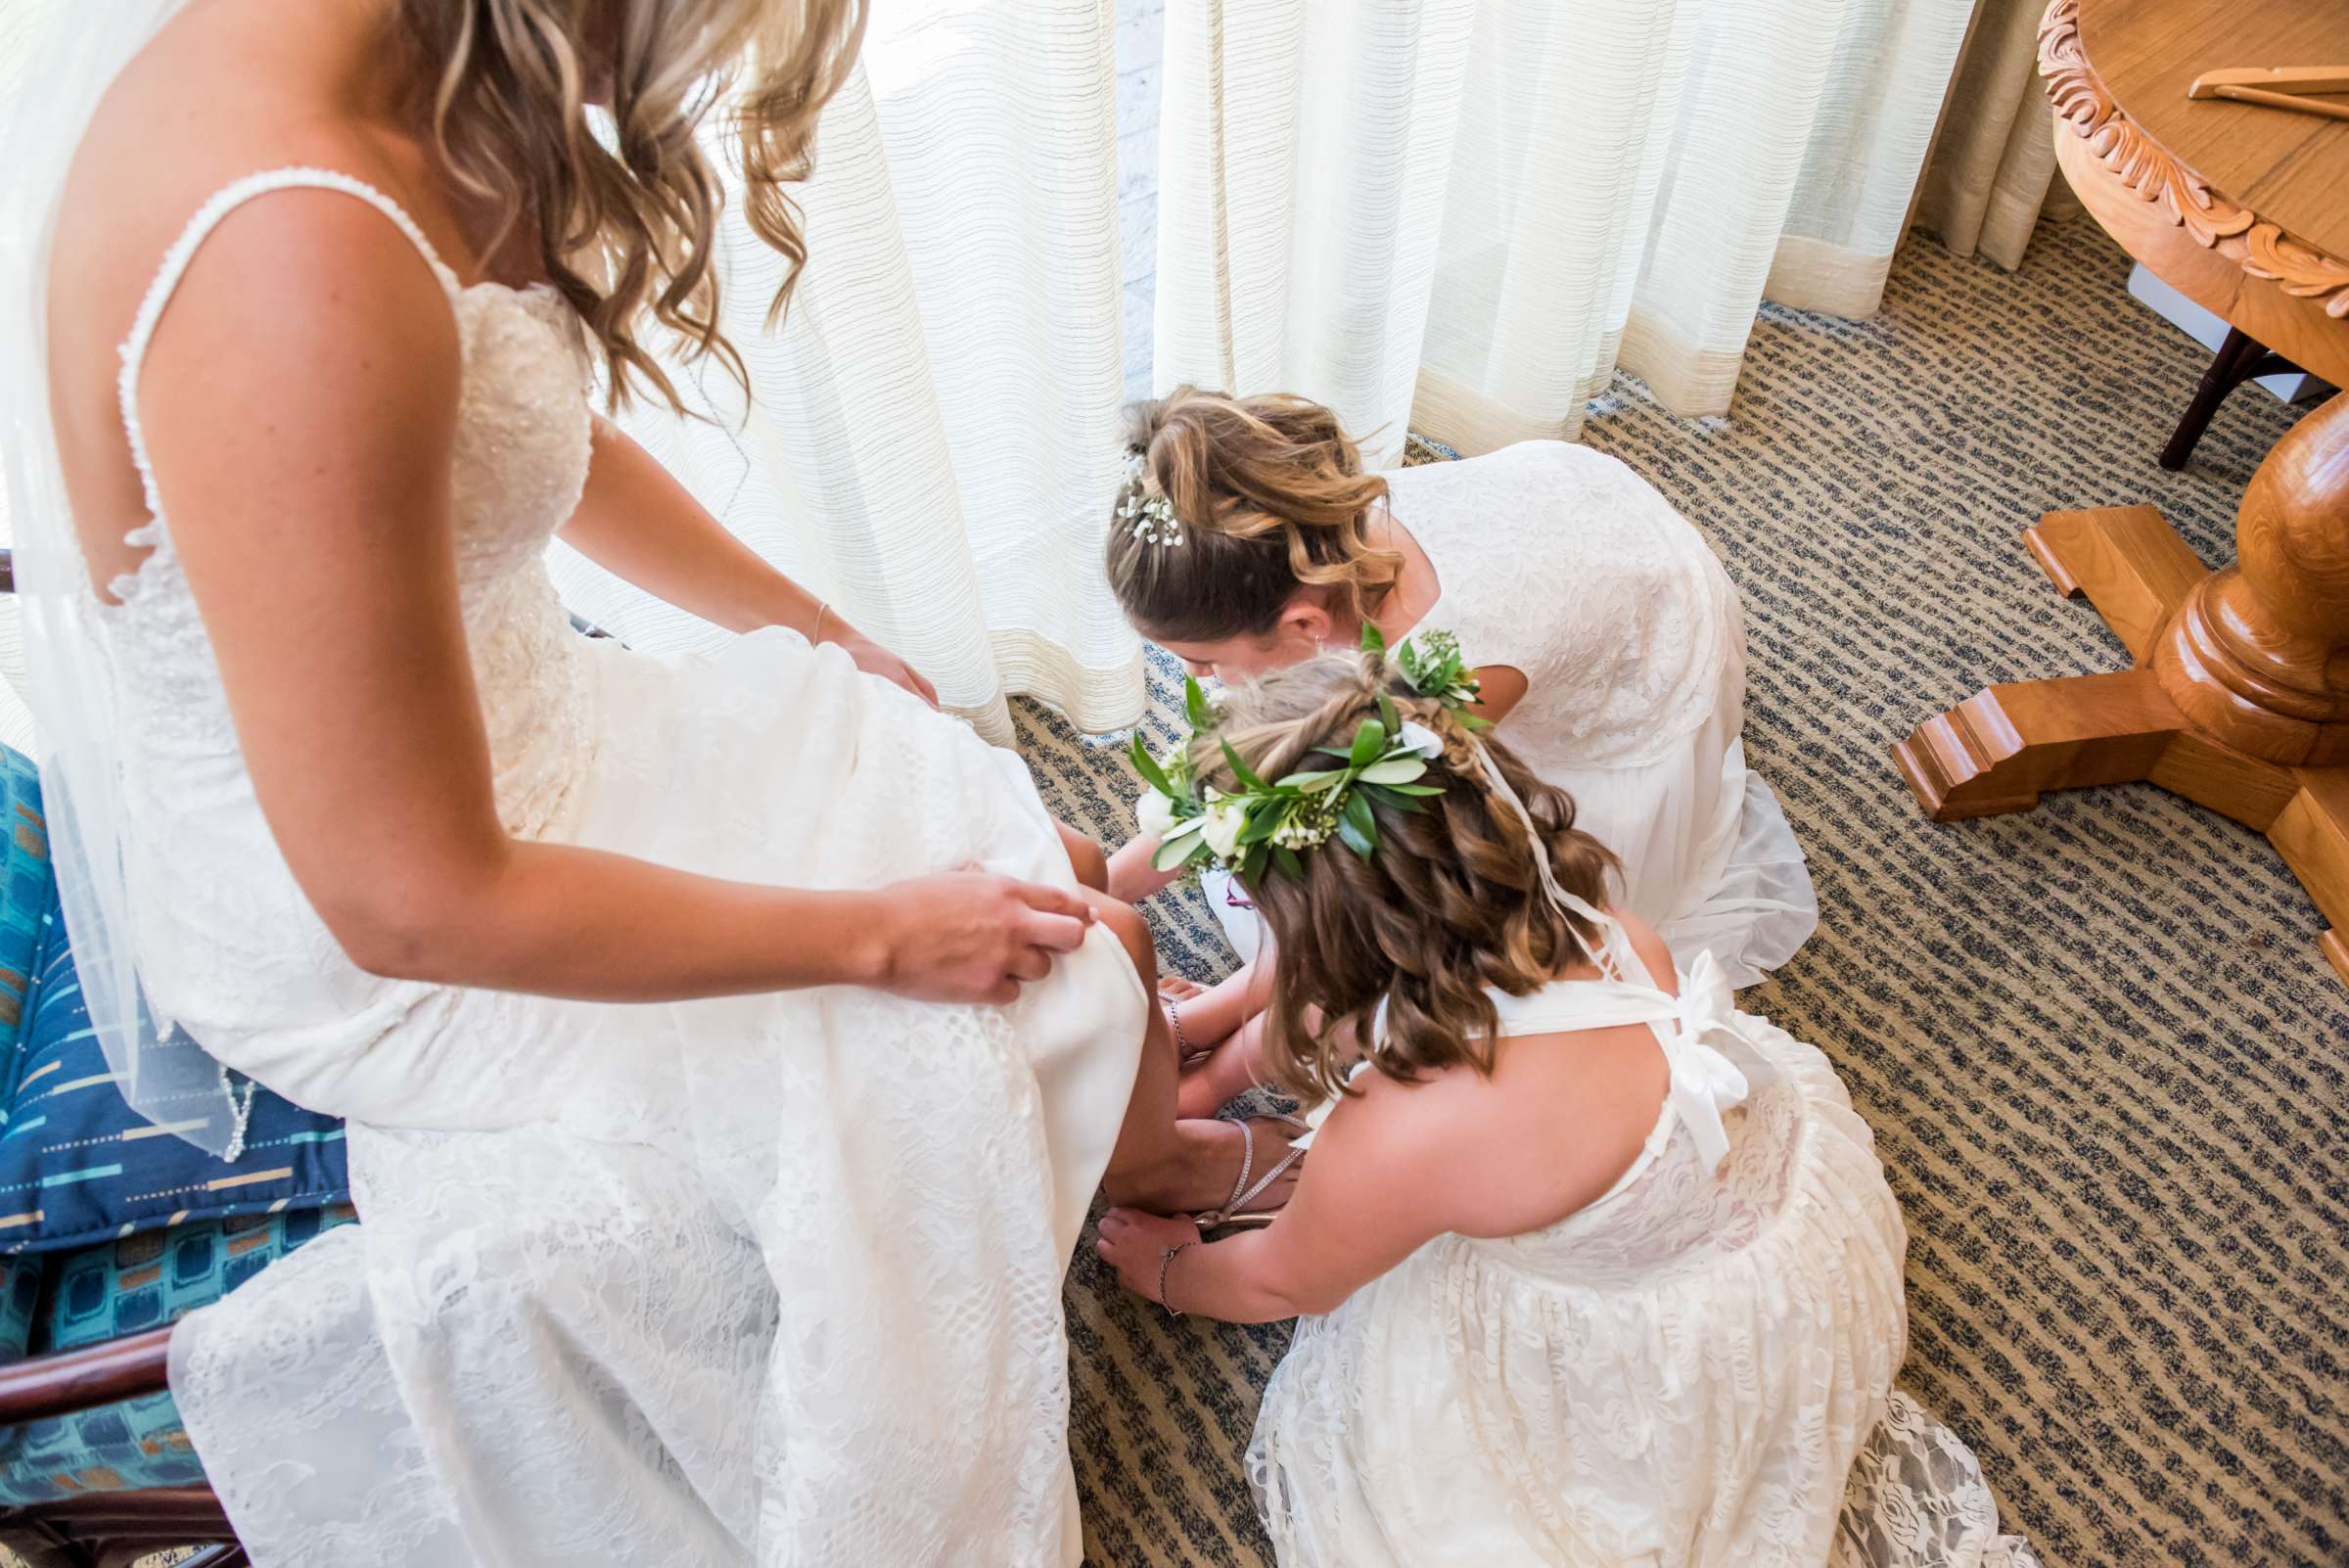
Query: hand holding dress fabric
point(875, 659)
point(971, 937)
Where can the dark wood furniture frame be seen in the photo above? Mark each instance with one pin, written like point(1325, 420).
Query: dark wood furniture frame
point(107, 1528)
point(104, 1529)
point(2240, 358)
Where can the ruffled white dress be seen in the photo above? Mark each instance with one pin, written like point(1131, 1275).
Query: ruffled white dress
point(769, 1279)
point(1560, 561)
point(1695, 1371)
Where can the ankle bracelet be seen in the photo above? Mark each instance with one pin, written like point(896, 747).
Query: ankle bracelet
point(1173, 1012)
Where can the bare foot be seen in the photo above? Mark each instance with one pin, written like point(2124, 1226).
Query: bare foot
point(1206, 1171)
point(1271, 1176)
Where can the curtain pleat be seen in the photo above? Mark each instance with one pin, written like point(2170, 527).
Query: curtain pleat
point(932, 436)
point(1495, 202)
point(1993, 173)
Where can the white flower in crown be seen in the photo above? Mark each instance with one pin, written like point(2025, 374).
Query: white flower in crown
point(1225, 818)
point(1309, 827)
point(1153, 814)
point(1421, 739)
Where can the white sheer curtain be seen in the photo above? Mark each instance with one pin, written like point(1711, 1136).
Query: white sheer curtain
point(1459, 216)
point(1993, 173)
point(21, 22)
point(932, 434)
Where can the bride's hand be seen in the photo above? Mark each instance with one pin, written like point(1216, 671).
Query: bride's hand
point(973, 937)
point(875, 659)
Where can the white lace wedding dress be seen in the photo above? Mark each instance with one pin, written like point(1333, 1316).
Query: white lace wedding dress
point(1695, 1371)
point(771, 1279)
point(1562, 562)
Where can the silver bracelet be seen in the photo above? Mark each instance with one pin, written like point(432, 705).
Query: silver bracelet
point(1165, 1261)
point(1182, 1045)
point(818, 635)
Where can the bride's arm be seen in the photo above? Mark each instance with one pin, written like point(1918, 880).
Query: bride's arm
point(636, 522)
point(300, 403)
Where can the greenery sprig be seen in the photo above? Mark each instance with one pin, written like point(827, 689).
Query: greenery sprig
point(1433, 665)
point(1264, 824)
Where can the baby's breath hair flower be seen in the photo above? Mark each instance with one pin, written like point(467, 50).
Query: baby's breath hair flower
point(1144, 508)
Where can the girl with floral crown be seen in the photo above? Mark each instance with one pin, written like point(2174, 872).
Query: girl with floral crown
point(1608, 640)
point(1589, 1267)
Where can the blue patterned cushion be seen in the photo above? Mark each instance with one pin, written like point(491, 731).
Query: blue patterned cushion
point(25, 881)
point(20, 1298)
point(78, 1163)
point(124, 1287)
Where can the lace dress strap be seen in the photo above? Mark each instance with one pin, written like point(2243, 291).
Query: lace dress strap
point(183, 252)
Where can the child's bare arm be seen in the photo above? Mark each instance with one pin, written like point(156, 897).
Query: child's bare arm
point(1132, 876)
point(1216, 1012)
point(1086, 859)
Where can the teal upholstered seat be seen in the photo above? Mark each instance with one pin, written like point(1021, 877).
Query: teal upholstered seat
point(122, 1287)
point(60, 1291)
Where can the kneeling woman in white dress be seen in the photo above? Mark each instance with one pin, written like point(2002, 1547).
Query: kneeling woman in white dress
point(1594, 1269)
point(1609, 642)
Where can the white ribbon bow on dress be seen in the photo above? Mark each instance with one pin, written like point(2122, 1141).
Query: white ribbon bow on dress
point(1705, 1084)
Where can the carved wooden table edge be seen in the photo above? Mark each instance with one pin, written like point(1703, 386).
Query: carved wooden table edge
point(2240, 696)
point(2155, 176)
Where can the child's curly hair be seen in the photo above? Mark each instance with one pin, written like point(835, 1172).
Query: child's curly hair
point(1449, 903)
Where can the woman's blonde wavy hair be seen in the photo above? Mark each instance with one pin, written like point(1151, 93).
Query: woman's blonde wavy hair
point(1272, 497)
point(1449, 902)
point(624, 222)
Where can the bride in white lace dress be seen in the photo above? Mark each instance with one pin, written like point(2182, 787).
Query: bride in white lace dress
point(1595, 1269)
point(728, 1055)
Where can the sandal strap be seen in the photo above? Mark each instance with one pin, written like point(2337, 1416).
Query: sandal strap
point(1214, 1217)
point(1243, 1192)
point(1239, 1204)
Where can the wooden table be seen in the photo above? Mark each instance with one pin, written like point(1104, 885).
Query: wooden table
point(2239, 698)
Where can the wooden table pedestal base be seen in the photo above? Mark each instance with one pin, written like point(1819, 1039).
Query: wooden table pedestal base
point(2000, 750)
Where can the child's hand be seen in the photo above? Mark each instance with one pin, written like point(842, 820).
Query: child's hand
point(1135, 1244)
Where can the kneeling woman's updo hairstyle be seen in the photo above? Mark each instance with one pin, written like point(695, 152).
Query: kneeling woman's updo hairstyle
point(1268, 496)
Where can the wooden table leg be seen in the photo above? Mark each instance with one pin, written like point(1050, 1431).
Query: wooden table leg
point(2125, 559)
point(2240, 695)
point(2000, 750)
point(2312, 833)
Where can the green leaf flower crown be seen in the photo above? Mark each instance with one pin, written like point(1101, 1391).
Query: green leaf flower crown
point(1264, 824)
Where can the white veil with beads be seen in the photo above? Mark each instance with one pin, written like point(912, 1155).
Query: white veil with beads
point(62, 56)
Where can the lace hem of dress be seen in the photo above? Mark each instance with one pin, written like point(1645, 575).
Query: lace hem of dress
point(1917, 1499)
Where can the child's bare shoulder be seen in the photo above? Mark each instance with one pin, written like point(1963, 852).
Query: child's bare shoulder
point(1550, 1129)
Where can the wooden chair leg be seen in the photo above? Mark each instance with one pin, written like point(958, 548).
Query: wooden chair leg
point(36, 1545)
point(2240, 358)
